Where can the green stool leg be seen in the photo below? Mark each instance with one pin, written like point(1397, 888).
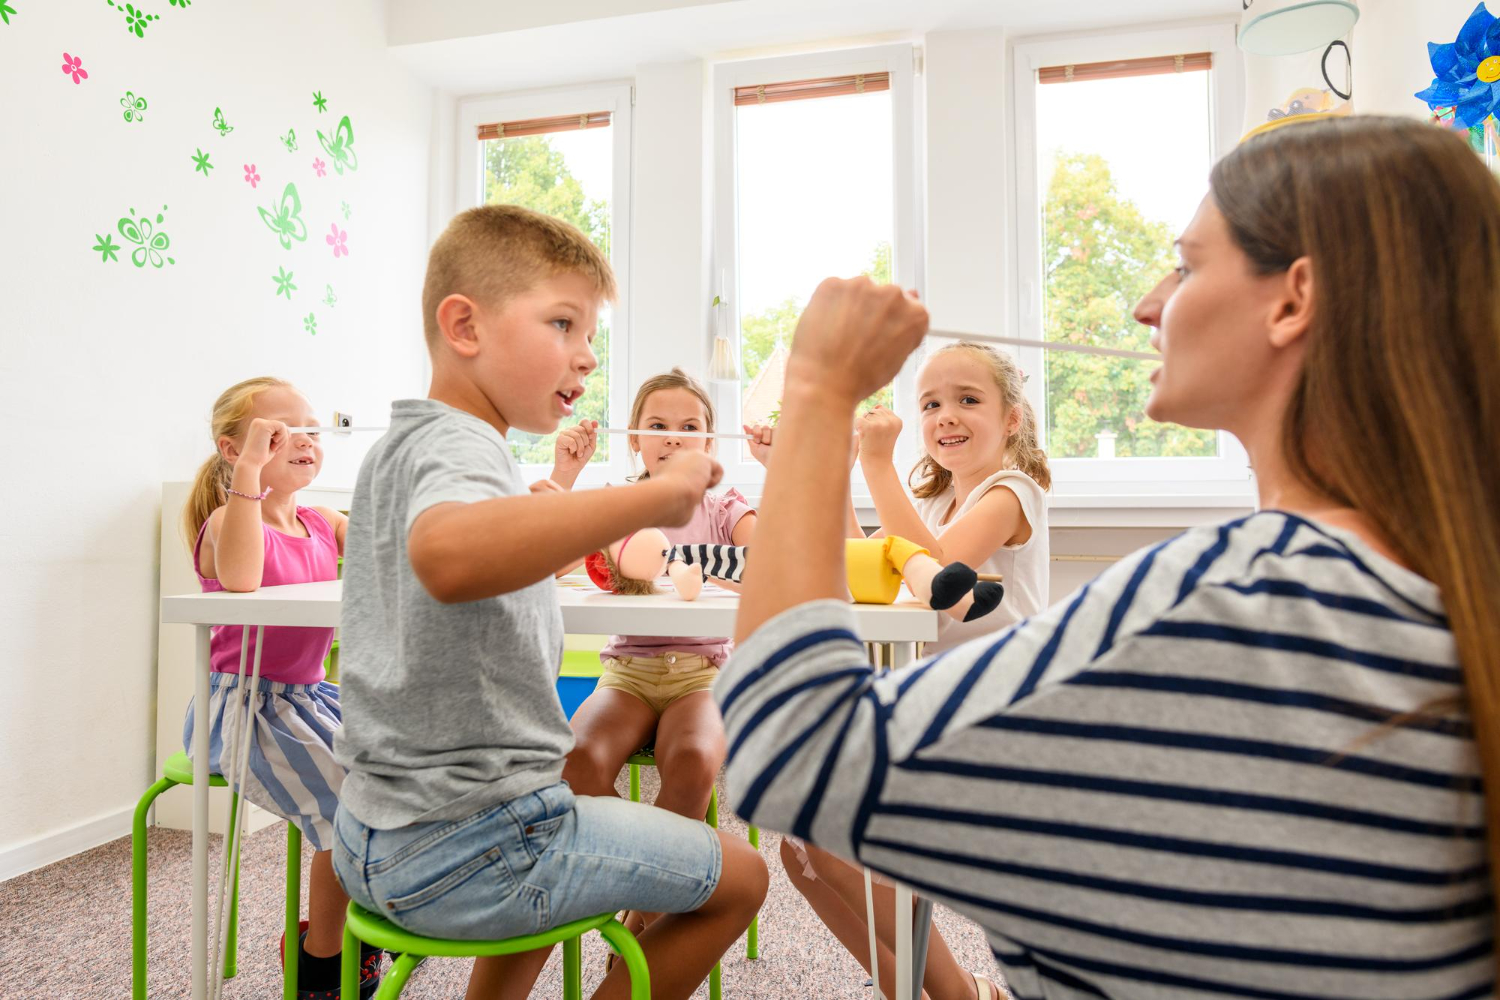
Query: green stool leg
point(293, 948)
point(349, 965)
point(572, 970)
point(752, 941)
point(395, 981)
point(231, 942)
point(715, 977)
point(629, 950)
point(635, 782)
point(138, 889)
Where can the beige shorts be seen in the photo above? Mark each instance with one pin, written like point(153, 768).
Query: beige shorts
point(659, 680)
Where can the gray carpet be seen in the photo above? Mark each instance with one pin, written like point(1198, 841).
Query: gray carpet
point(65, 931)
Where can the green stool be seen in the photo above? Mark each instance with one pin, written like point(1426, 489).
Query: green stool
point(362, 925)
point(178, 770)
point(646, 757)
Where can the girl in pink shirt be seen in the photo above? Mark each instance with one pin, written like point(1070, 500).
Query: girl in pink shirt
point(656, 688)
point(249, 532)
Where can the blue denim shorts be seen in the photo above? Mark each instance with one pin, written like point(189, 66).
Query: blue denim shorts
point(527, 865)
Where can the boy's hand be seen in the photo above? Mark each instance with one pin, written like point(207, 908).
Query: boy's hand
point(575, 446)
point(878, 431)
point(760, 442)
point(684, 480)
point(854, 336)
point(263, 441)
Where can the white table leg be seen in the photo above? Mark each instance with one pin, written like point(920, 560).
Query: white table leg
point(906, 989)
point(903, 943)
point(200, 816)
point(874, 948)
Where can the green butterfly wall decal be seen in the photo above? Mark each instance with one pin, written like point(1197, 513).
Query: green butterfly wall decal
point(340, 148)
point(150, 246)
point(285, 219)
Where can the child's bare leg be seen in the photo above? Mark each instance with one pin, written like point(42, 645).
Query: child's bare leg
point(944, 978)
point(689, 752)
point(326, 906)
point(506, 977)
point(682, 947)
point(846, 924)
point(608, 727)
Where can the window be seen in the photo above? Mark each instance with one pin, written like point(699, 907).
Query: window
point(1115, 139)
point(821, 147)
point(565, 153)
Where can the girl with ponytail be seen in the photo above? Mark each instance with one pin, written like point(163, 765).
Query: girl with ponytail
point(247, 531)
point(979, 486)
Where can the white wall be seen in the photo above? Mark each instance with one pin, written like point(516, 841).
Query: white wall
point(671, 220)
point(1390, 51)
point(969, 181)
point(107, 371)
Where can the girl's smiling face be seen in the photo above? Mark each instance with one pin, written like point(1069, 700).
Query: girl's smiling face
point(964, 423)
point(296, 465)
point(669, 410)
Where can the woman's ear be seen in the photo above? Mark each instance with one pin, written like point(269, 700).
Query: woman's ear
point(1294, 304)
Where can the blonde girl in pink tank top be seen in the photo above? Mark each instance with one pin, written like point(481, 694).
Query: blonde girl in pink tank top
point(248, 532)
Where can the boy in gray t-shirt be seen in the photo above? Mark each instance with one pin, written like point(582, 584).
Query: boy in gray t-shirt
point(454, 820)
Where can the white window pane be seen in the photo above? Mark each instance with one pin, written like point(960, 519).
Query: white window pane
point(1113, 201)
point(816, 198)
point(567, 175)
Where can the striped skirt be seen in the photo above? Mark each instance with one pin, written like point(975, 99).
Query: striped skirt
point(291, 770)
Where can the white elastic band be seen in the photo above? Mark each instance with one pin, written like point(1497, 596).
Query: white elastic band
point(1046, 345)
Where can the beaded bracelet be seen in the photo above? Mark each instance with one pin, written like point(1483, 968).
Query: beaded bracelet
point(250, 496)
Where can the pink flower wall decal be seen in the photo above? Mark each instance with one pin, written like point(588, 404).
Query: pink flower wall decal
point(337, 238)
point(251, 177)
point(320, 166)
point(73, 66)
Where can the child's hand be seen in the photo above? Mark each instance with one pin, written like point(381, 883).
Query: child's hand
point(575, 446)
point(760, 443)
point(854, 336)
point(878, 431)
point(263, 441)
point(545, 486)
point(684, 480)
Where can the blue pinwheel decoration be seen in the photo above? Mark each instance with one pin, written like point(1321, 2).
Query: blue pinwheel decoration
point(1467, 70)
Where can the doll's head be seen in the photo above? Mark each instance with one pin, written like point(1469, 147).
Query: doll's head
point(672, 401)
point(631, 565)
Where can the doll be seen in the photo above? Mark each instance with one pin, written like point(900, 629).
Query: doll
point(874, 569)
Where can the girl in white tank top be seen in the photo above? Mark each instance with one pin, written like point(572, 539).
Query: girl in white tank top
point(979, 501)
point(979, 487)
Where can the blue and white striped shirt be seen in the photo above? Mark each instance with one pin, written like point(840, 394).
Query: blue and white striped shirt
point(1213, 772)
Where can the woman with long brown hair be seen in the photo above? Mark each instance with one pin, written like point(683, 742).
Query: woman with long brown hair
point(1250, 761)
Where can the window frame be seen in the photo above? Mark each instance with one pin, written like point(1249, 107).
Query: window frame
point(1229, 471)
point(907, 236)
point(617, 99)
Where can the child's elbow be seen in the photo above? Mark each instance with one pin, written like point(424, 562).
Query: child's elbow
point(441, 583)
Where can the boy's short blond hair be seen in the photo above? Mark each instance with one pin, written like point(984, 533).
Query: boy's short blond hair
point(495, 251)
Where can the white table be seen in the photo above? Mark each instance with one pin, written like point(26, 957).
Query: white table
point(587, 611)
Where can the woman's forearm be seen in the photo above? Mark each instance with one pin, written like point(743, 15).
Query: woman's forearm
point(804, 508)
